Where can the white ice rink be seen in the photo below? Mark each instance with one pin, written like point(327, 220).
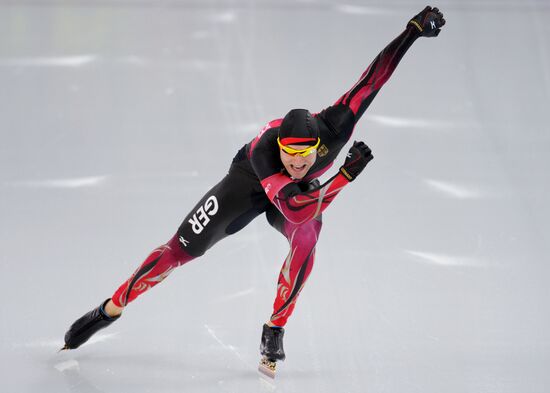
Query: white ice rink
point(432, 270)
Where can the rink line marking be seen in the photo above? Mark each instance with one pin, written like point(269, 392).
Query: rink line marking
point(235, 295)
point(361, 10)
point(99, 338)
point(93, 181)
point(445, 260)
point(77, 182)
point(228, 347)
point(224, 17)
point(404, 122)
point(59, 343)
point(40, 344)
point(454, 190)
point(59, 61)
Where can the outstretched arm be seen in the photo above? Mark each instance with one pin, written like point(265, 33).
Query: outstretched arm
point(427, 23)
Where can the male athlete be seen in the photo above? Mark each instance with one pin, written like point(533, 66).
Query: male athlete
point(276, 174)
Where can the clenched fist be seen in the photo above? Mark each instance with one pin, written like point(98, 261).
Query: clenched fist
point(428, 22)
point(356, 160)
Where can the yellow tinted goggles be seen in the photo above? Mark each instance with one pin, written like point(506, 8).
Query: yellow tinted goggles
point(303, 152)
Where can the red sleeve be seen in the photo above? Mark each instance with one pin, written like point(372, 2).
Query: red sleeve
point(274, 184)
point(305, 206)
point(359, 97)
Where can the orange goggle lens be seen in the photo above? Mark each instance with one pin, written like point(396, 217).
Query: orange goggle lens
point(303, 152)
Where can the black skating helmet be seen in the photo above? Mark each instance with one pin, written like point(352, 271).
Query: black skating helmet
point(299, 127)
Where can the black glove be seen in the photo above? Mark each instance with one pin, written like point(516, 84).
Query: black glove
point(293, 189)
point(428, 22)
point(356, 160)
point(308, 186)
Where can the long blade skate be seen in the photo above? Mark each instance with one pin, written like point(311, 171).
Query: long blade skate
point(267, 367)
point(87, 325)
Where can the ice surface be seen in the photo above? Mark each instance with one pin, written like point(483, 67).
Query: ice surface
point(432, 268)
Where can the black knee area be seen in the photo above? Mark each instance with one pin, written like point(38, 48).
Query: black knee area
point(275, 218)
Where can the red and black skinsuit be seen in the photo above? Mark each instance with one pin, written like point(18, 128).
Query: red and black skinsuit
point(257, 183)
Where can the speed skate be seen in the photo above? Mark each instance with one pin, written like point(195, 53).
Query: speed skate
point(271, 349)
point(267, 367)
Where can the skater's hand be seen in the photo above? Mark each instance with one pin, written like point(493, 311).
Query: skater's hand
point(290, 190)
point(356, 160)
point(308, 186)
point(428, 22)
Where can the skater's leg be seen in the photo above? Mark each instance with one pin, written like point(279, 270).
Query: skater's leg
point(297, 265)
point(156, 267)
point(225, 209)
point(112, 310)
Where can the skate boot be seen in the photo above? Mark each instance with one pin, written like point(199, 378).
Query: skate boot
point(271, 349)
point(87, 325)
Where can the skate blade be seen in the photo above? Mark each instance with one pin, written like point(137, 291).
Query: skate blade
point(267, 368)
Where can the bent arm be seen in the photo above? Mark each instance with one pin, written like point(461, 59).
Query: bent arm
point(299, 207)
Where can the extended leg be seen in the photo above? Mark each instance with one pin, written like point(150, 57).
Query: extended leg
point(156, 267)
point(225, 209)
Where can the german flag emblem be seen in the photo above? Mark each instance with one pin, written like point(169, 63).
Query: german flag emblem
point(322, 151)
